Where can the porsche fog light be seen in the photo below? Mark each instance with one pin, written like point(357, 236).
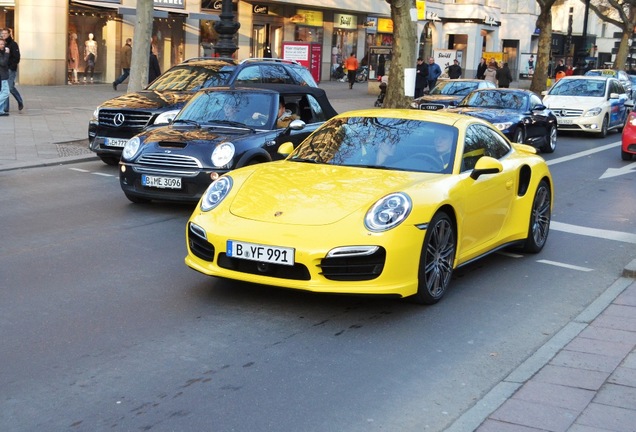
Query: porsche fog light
point(131, 148)
point(215, 193)
point(593, 112)
point(388, 212)
point(223, 154)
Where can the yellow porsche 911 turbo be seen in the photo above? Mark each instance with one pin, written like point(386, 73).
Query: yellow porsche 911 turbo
point(382, 201)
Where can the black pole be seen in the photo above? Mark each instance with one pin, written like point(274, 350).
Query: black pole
point(226, 27)
point(583, 50)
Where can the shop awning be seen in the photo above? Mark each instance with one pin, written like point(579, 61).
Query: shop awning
point(98, 4)
point(158, 12)
point(203, 16)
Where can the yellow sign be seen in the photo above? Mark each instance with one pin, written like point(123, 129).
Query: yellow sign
point(385, 25)
point(312, 18)
point(421, 9)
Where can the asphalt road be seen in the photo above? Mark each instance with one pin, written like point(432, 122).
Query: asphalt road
point(105, 328)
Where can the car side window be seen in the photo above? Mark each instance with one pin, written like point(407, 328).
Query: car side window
point(249, 74)
point(276, 74)
point(482, 141)
point(310, 110)
point(534, 101)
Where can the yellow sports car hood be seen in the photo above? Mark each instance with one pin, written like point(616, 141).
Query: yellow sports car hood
point(298, 193)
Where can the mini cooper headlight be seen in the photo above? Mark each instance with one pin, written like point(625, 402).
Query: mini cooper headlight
point(388, 212)
point(503, 126)
point(166, 117)
point(131, 148)
point(222, 154)
point(593, 112)
point(215, 193)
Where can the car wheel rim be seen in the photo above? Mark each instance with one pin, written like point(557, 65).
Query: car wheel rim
point(553, 138)
point(440, 251)
point(541, 216)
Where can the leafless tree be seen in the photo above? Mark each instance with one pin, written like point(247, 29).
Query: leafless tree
point(141, 46)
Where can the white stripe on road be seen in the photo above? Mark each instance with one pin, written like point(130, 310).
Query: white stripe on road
point(583, 153)
point(564, 265)
point(594, 232)
point(79, 169)
point(103, 174)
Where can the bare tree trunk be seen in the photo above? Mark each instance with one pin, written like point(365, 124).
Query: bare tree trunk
point(141, 46)
point(540, 76)
point(623, 48)
point(404, 41)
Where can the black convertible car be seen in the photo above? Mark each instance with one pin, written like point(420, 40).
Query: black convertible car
point(518, 114)
point(220, 129)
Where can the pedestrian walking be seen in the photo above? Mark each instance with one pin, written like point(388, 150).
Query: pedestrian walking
point(153, 67)
point(4, 78)
point(421, 77)
point(491, 73)
point(12, 48)
point(351, 65)
point(434, 71)
point(126, 57)
point(503, 76)
point(454, 70)
point(481, 68)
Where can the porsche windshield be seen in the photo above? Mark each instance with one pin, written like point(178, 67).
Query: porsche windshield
point(381, 143)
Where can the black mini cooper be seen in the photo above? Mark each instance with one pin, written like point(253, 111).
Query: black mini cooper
point(220, 129)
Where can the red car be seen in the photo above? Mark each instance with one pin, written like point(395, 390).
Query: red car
point(628, 147)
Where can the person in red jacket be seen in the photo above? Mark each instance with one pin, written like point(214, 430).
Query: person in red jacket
point(351, 65)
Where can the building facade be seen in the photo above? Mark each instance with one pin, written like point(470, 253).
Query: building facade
point(318, 33)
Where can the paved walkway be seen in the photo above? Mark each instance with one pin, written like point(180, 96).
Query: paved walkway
point(581, 380)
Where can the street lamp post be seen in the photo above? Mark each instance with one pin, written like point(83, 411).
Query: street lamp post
point(226, 27)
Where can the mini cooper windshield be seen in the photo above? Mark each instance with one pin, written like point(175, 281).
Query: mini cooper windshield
point(382, 143)
point(229, 108)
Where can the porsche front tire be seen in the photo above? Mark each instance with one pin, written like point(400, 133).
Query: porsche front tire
point(436, 260)
point(540, 216)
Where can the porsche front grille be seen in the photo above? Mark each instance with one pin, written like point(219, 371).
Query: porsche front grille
point(131, 119)
point(354, 268)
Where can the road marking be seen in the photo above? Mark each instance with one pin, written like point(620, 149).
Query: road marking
point(615, 172)
point(594, 232)
point(583, 153)
point(79, 169)
point(103, 174)
point(564, 265)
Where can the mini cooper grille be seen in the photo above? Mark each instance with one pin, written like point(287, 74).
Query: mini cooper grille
point(355, 268)
point(565, 112)
point(200, 247)
point(132, 119)
point(295, 272)
point(169, 160)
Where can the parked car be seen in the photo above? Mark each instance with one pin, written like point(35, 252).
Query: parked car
point(117, 120)
point(591, 104)
point(628, 139)
point(220, 129)
point(449, 92)
point(632, 80)
point(620, 75)
point(518, 114)
point(385, 202)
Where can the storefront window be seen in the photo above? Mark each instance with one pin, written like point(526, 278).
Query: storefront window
point(209, 38)
point(308, 34)
point(344, 41)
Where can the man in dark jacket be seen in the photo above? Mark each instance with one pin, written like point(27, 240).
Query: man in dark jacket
point(126, 58)
point(14, 59)
point(153, 67)
point(4, 77)
point(454, 70)
point(421, 77)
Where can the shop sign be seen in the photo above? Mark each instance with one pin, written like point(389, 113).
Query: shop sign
point(260, 9)
point(307, 17)
point(345, 21)
point(371, 24)
point(296, 52)
point(177, 4)
point(385, 25)
point(490, 20)
point(432, 16)
point(421, 9)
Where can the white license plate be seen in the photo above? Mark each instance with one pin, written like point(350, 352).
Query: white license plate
point(161, 182)
point(260, 253)
point(563, 121)
point(115, 142)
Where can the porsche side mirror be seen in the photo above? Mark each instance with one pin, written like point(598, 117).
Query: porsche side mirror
point(286, 148)
point(486, 165)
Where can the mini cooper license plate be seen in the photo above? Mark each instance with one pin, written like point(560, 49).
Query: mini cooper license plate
point(115, 142)
point(161, 182)
point(260, 253)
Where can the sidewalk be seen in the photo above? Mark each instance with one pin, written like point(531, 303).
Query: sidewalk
point(53, 127)
point(582, 380)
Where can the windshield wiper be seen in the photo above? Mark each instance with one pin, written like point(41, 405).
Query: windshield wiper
point(231, 123)
point(188, 121)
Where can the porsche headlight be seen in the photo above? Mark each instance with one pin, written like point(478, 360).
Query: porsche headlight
point(388, 212)
point(223, 154)
point(503, 126)
point(215, 193)
point(166, 117)
point(593, 112)
point(131, 148)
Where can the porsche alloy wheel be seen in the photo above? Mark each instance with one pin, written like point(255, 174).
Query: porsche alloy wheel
point(539, 219)
point(436, 260)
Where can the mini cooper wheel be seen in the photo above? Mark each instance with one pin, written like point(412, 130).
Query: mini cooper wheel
point(436, 260)
point(540, 216)
point(550, 146)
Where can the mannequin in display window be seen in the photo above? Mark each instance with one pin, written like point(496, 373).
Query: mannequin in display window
point(90, 56)
point(73, 58)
